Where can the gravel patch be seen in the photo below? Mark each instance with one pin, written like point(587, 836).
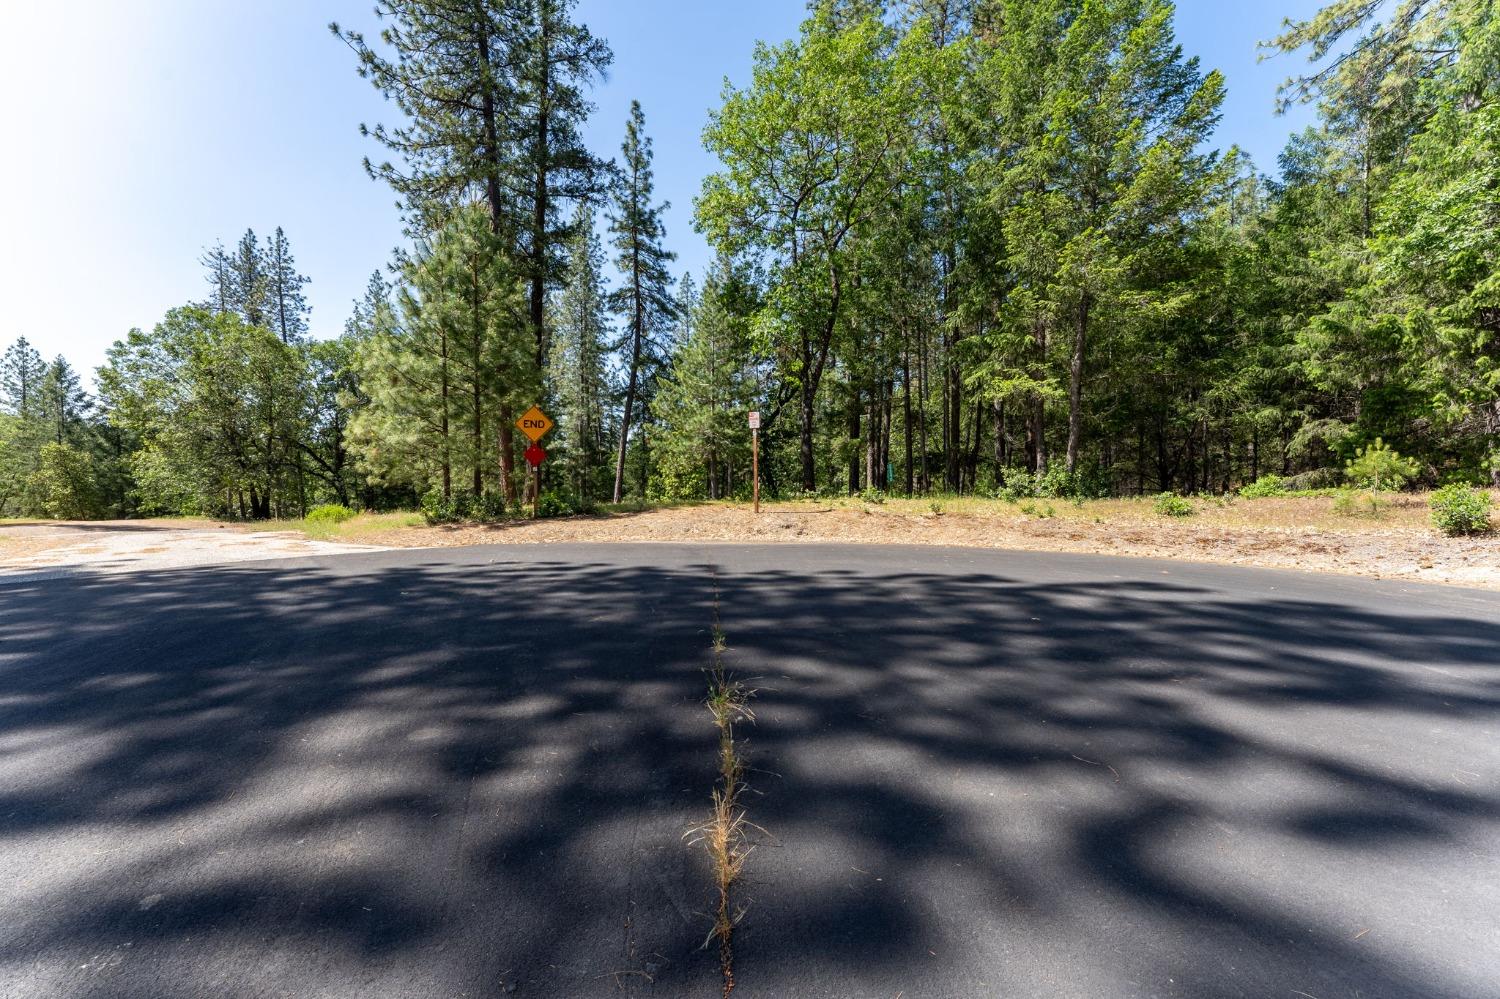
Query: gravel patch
point(43, 551)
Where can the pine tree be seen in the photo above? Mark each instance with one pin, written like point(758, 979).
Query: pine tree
point(21, 372)
point(643, 300)
point(1105, 168)
point(441, 378)
point(576, 372)
point(555, 60)
point(220, 276)
point(287, 306)
point(494, 96)
point(64, 404)
point(248, 281)
point(706, 392)
point(450, 74)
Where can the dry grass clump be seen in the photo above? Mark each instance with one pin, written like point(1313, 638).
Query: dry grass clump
point(725, 834)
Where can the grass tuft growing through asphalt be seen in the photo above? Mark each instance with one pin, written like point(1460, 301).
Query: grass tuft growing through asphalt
point(725, 834)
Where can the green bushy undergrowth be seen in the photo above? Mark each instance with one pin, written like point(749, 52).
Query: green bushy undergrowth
point(1172, 505)
point(461, 506)
point(1266, 485)
point(1459, 509)
point(553, 504)
point(1055, 483)
point(329, 513)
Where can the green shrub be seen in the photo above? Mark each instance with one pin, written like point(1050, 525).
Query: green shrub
point(462, 505)
point(1266, 485)
point(872, 495)
point(553, 504)
point(1357, 503)
point(487, 508)
point(439, 509)
point(63, 486)
point(1172, 505)
point(1378, 466)
point(1460, 509)
point(1055, 483)
point(1307, 482)
point(329, 513)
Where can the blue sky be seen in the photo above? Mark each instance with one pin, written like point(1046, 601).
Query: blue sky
point(140, 133)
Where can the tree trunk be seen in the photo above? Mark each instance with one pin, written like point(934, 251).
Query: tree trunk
point(906, 407)
point(541, 195)
point(997, 409)
point(630, 388)
point(1140, 460)
point(638, 329)
point(809, 469)
point(853, 431)
point(926, 480)
point(477, 401)
point(443, 423)
point(887, 413)
point(1039, 434)
point(507, 456)
point(1075, 384)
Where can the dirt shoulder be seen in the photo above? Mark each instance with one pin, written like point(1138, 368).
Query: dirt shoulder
point(1284, 533)
point(35, 549)
point(1299, 533)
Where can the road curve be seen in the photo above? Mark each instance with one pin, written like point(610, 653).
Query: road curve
point(467, 772)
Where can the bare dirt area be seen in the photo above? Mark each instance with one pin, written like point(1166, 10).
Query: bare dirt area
point(45, 548)
point(1299, 533)
point(1291, 533)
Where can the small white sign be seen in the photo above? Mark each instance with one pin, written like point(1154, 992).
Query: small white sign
point(754, 420)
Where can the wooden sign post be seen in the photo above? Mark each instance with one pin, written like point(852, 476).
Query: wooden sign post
point(755, 457)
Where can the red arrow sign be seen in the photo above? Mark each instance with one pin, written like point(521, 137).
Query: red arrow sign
point(535, 456)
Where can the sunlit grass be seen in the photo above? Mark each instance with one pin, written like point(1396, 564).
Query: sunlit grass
point(1399, 511)
point(1281, 513)
point(359, 528)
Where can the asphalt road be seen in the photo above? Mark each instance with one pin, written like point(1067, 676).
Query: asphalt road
point(468, 772)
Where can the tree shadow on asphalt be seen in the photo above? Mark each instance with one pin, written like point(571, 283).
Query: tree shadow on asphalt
point(462, 776)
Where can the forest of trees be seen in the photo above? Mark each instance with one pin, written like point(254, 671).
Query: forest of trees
point(959, 244)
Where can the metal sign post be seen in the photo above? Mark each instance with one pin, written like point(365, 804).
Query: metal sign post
point(755, 457)
point(534, 424)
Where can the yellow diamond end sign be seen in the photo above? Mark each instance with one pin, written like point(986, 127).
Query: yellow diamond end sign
point(534, 424)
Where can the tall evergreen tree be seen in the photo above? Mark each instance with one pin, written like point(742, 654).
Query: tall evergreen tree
point(449, 70)
point(494, 97)
point(644, 299)
point(249, 282)
point(440, 378)
point(706, 391)
point(286, 304)
point(64, 405)
point(219, 268)
point(21, 372)
point(555, 60)
point(576, 369)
